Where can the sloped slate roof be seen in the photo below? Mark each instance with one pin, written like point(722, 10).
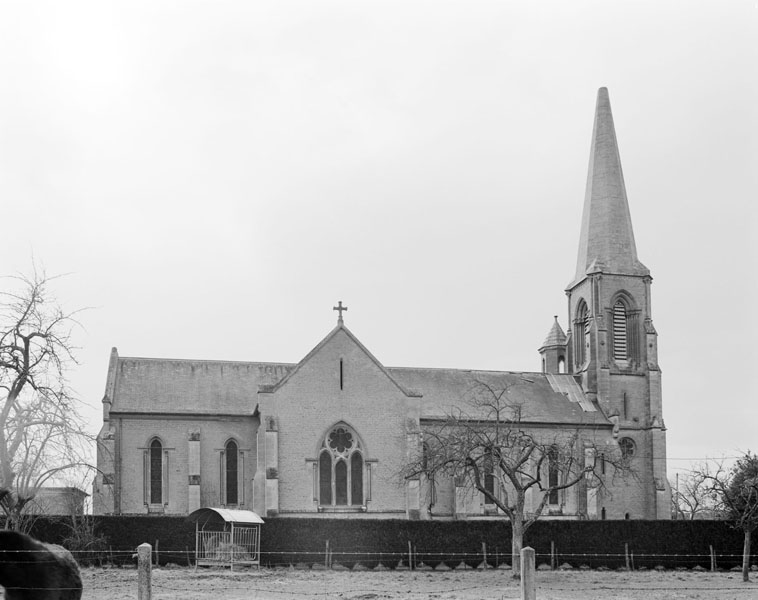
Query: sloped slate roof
point(146, 385)
point(447, 391)
point(555, 337)
point(150, 385)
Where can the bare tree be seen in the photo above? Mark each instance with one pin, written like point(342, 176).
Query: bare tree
point(495, 451)
point(41, 431)
point(692, 497)
point(736, 491)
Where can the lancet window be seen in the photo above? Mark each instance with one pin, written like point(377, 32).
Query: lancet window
point(232, 469)
point(155, 472)
point(581, 335)
point(625, 346)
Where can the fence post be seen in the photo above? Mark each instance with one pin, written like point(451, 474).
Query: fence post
point(528, 590)
point(713, 559)
point(553, 562)
point(144, 566)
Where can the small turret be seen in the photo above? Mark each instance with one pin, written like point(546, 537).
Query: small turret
point(553, 350)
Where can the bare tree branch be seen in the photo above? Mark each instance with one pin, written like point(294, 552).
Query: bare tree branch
point(41, 432)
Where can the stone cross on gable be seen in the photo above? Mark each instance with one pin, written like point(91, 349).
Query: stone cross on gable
point(339, 308)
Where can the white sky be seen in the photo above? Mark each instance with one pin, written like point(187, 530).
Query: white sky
point(216, 175)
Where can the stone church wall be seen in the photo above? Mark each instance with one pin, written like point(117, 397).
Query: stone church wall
point(314, 400)
point(176, 435)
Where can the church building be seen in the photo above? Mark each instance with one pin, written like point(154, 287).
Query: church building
point(329, 435)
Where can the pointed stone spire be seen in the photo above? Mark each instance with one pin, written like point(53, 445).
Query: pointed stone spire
point(607, 241)
point(555, 337)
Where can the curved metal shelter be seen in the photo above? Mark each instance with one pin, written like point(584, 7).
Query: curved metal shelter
point(225, 537)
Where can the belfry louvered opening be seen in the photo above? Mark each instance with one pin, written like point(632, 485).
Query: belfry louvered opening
point(619, 331)
point(625, 346)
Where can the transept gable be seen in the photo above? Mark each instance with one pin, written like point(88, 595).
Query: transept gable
point(338, 342)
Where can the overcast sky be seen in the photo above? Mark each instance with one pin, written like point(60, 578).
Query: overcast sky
point(215, 176)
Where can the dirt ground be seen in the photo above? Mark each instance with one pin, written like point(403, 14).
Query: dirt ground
point(278, 584)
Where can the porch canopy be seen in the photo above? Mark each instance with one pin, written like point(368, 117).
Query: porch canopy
point(220, 516)
point(225, 537)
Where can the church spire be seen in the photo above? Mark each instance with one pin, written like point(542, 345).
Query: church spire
point(606, 243)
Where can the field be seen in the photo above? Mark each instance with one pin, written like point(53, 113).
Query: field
point(186, 584)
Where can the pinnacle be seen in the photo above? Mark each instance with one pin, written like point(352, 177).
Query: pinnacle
point(556, 335)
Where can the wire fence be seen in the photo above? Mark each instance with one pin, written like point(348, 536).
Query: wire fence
point(177, 579)
point(414, 559)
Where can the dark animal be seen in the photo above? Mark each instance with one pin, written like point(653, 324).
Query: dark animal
point(31, 570)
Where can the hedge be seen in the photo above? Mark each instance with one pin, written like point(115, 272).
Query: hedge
point(289, 541)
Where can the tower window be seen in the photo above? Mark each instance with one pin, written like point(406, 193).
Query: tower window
point(582, 335)
point(627, 447)
point(620, 331)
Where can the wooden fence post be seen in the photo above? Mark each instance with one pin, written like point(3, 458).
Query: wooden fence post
point(528, 589)
point(144, 566)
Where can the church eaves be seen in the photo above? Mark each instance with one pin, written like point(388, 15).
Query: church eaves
point(606, 242)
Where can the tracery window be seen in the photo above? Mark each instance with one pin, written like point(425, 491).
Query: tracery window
point(628, 448)
point(340, 469)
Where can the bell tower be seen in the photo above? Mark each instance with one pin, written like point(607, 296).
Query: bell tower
point(611, 342)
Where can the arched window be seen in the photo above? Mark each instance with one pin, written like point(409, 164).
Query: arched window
point(232, 471)
point(553, 471)
point(625, 344)
point(620, 331)
point(231, 468)
point(155, 472)
point(488, 467)
point(340, 469)
point(581, 334)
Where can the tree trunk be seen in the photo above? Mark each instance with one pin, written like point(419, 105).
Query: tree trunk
point(746, 557)
point(517, 543)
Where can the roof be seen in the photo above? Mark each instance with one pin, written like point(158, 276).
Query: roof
point(541, 398)
point(606, 241)
point(210, 388)
point(555, 337)
point(201, 387)
point(341, 328)
point(210, 514)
